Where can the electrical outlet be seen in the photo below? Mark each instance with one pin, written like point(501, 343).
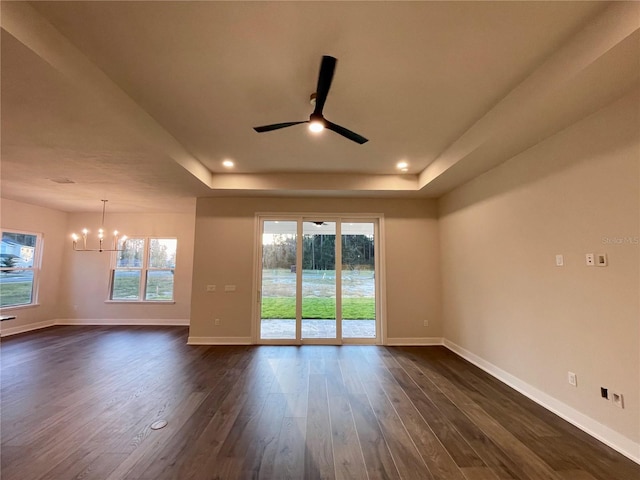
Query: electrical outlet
point(617, 399)
point(572, 378)
point(590, 259)
point(425, 323)
point(216, 322)
point(229, 288)
point(211, 288)
point(559, 260)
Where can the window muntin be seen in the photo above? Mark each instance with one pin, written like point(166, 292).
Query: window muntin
point(144, 270)
point(19, 268)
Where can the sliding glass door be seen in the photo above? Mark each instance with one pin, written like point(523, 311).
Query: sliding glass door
point(278, 291)
point(317, 280)
point(358, 280)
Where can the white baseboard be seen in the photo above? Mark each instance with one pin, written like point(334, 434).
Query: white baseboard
point(219, 341)
point(413, 342)
point(606, 435)
point(174, 322)
point(8, 331)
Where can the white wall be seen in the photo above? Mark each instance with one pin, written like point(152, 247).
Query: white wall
point(52, 225)
point(224, 254)
point(506, 304)
point(86, 274)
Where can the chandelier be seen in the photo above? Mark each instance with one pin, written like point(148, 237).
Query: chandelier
point(117, 241)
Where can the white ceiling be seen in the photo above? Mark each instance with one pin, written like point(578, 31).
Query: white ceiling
point(139, 102)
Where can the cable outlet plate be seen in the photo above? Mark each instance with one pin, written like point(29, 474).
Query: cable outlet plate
point(601, 259)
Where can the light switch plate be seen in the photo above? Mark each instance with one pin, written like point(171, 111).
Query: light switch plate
point(559, 260)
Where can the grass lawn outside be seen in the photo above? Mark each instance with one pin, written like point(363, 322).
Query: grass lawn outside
point(17, 293)
point(319, 308)
point(127, 285)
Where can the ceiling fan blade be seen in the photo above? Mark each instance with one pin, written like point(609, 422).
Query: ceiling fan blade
point(345, 132)
point(276, 126)
point(327, 67)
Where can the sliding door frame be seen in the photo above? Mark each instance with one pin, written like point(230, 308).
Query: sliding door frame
point(379, 264)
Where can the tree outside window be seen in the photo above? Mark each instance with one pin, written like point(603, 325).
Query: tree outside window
point(144, 270)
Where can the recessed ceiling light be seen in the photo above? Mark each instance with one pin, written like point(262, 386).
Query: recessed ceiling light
point(227, 164)
point(402, 166)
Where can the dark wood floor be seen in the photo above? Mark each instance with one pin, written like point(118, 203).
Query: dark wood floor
point(78, 402)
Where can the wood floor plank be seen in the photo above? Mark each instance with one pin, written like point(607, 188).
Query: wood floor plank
point(454, 442)
point(159, 439)
point(78, 402)
point(536, 468)
point(575, 475)
point(377, 457)
point(408, 460)
point(174, 452)
point(289, 461)
point(335, 382)
point(259, 457)
point(318, 455)
point(484, 393)
point(531, 432)
point(202, 458)
point(86, 464)
point(479, 473)
point(439, 462)
point(491, 454)
point(347, 452)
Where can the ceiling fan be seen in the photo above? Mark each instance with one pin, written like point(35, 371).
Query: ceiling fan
point(316, 121)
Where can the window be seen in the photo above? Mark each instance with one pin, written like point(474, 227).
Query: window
point(19, 268)
point(143, 271)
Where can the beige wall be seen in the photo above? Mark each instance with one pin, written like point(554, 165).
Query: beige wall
point(224, 254)
point(86, 274)
point(52, 225)
point(506, 302)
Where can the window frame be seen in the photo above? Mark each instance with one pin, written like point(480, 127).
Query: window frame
point(35, 268)
point(144, 270)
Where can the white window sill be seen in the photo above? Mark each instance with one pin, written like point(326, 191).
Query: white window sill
point(18, 307)
point(142, 302)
